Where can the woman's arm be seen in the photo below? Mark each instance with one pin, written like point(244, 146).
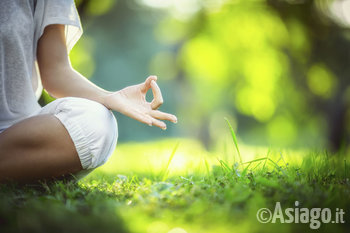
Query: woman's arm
point(61, 80)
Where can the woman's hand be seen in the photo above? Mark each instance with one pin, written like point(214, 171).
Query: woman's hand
point(131, 101)
point(56, 72)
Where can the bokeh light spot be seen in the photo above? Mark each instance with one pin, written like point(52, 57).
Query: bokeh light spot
point(282, 131)
point(321, 81)
point(205, 59)
point(81, 57)
point(100, 7)
point(177, 230)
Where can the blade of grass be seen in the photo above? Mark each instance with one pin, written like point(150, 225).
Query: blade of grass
point(276, 165)
point(345, 169)
point(285, 164)
point(251, 162)
point(207, 167)
point(256, 165)
point(255, 160)
point(224, 166)
point(267, 157)
point(246, 169)
point(234, 138)
point(166, 170)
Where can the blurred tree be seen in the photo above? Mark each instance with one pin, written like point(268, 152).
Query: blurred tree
point(282, 63)
point(279, 68)
point(329, 82)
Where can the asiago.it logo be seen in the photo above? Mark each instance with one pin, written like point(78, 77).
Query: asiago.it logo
point(314, 216)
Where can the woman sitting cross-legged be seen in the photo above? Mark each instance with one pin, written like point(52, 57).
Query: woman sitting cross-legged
point(75, 133)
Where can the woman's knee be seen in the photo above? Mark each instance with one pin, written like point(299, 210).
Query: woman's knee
point(101, 130)
point(92, 127)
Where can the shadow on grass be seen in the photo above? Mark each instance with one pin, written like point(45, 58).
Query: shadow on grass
point(58, 207)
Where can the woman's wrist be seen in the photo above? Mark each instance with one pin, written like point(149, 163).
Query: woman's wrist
point(105, 99)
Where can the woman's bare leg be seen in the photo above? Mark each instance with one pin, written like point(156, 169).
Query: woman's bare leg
point(35, 149)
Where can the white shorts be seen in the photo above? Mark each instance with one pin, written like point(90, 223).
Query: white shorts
point(92, 127)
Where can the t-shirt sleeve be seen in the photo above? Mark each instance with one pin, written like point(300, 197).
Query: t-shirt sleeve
point(64, 12)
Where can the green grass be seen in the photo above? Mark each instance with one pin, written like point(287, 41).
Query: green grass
point(169, 185)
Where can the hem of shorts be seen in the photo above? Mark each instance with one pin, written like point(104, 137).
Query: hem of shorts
point(79, 140)
point(114, 143)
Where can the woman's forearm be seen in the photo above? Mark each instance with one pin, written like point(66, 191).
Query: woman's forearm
point(66, 81)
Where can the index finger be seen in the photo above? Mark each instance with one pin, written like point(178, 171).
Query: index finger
point(157, 96)
point(147, 84)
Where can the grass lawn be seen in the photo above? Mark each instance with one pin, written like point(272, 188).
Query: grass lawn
point(176, 186)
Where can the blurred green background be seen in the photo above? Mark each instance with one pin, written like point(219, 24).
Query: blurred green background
point(278, 70)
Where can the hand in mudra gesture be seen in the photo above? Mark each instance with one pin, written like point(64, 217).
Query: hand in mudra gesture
point(131, 101)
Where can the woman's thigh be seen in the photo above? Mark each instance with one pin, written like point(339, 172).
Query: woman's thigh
point(37, 148)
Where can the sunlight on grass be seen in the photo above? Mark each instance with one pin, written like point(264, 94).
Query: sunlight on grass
point(152, 158)
point(185, 157)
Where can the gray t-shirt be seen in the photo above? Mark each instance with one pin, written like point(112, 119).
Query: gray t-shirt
point(22, 22)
